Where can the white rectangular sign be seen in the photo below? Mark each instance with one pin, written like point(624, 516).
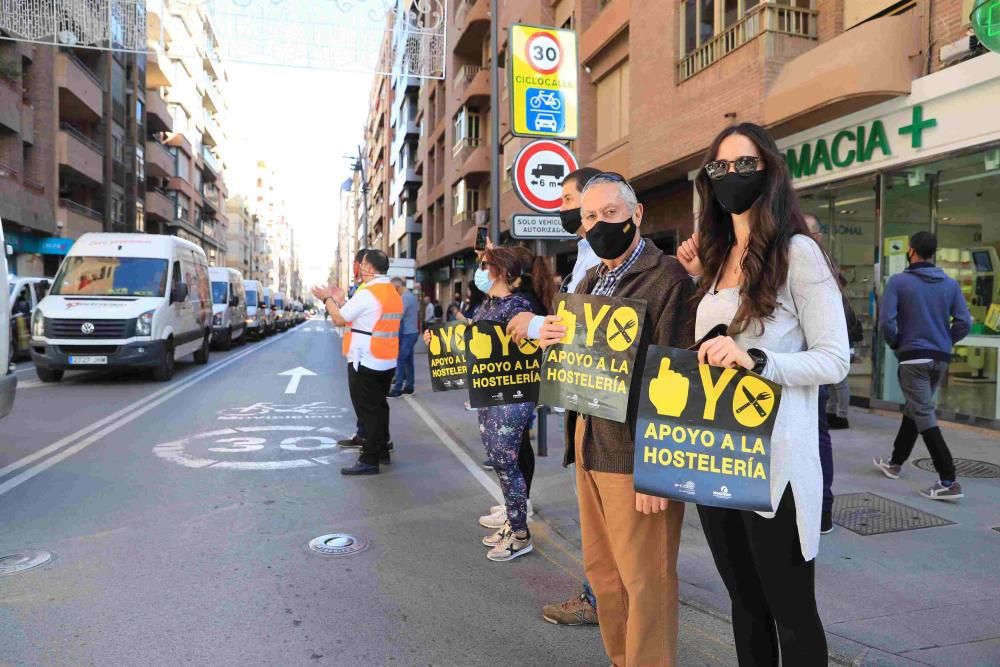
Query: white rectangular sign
point(538, 227)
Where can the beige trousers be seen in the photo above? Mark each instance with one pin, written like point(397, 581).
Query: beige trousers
point(631, 563)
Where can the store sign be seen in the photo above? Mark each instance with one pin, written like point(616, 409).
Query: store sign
point(986, 23)
point(543, 82)
point(538, 227)
point(23, 243)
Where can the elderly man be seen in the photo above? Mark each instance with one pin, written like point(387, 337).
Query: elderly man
point(630, 540)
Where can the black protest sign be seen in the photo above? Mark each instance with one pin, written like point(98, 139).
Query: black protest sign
point(500, 370)
point(703, 434)
point(446, 352)
point(590, 370)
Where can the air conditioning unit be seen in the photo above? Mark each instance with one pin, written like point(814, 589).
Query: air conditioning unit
point(482, 217)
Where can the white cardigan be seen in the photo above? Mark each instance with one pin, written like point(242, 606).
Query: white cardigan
point(806, 345)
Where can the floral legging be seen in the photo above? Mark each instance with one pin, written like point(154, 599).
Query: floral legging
point(501, 427)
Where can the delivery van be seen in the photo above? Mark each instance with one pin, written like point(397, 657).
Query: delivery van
point(280, 314)
point(8, 381)
point(255, 311)
point(229, 307)
point(267, 310)
point(124, 301)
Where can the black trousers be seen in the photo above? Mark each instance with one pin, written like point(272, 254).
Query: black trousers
point(771, 586)
point(368, 390)
point(526, 457)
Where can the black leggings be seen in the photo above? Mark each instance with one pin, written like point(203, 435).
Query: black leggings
point(771, 586)
point(526, 457)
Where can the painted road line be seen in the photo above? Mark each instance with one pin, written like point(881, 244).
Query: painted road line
point(294, 376)
point(474, 468)
point(121, 414)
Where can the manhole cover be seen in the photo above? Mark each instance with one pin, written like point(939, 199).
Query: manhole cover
point(337, 544)
point(964, 467)
point(869, 514)
point(23, 560)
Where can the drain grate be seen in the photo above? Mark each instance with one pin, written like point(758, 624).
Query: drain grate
point(870, 514)
point(964, 468)
point(23, 560)
point(337, 544)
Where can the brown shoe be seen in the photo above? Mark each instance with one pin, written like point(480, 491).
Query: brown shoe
point(577, 611)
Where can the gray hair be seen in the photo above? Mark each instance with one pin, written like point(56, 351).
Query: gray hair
point(398, 282)
point(625, 191)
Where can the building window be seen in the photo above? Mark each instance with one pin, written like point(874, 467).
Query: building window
point(182, 206)
point(613, 106)
point(117, 209)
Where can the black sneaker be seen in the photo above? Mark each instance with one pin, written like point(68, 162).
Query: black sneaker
point(826, 524)
point(389, 446)
point(354, 442)
point(360, 468)
point(394, 394)
point(385, 459)
point(836, 423)
point(408, 391)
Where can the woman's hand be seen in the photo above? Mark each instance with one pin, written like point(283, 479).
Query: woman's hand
point(688, 256)
point(427, 336)
point(649, 504)
point(723, 352)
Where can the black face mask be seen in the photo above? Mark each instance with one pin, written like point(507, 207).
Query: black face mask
point(570, 220)
point(735, 193)
point(610, 240)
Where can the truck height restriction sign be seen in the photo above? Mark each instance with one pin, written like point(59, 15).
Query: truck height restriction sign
point(538, 173)
point(544, 97)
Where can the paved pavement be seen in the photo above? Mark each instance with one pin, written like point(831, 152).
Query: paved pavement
point(928, 596)
point(179, 513)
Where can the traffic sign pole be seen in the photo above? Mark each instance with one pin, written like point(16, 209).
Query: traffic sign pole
point(495, 122)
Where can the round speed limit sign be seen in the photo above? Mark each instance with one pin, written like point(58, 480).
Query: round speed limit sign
point(543, 52)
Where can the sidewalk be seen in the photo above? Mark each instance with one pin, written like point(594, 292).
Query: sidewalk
point(921, 596)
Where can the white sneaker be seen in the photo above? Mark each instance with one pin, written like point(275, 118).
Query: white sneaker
point(510, 548)
point(498, 516)
point(497, 537)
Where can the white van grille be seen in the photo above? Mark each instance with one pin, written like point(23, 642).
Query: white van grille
point(77, 328)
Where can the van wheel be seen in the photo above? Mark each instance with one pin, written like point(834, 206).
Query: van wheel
point(201, 356)
point(48, 374)
point(165, 370)
point(227, 342)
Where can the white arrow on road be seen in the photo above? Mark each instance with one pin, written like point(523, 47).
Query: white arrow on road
point(296, 375)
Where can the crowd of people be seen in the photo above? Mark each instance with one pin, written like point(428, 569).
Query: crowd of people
point(756, 266)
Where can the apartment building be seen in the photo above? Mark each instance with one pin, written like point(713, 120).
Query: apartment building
point(72, 124)
point(240, 236)
point(269, 208)
point(378, 155)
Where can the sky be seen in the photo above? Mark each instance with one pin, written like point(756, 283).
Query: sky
point(303, 122)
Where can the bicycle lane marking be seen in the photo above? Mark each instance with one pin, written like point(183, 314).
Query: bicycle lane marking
point(124, 416)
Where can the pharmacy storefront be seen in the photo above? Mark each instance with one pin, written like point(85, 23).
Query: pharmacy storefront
point(928, 161)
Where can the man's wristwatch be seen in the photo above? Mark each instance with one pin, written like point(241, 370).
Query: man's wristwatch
point(759, 360)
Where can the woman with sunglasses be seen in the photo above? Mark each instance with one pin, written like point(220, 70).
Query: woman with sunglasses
point(764, 277)
point(503, 274)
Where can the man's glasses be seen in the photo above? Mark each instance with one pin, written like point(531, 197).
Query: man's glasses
point(744, 166)
point(616, 177)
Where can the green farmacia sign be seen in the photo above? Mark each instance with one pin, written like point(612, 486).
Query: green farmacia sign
point(986, 23)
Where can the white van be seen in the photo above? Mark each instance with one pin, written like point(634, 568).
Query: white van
point(124, 300)
point(25, 295)
point(255, 310)
point(280, 315)
point(267, 310)
point(8, 381)
point(229, 307)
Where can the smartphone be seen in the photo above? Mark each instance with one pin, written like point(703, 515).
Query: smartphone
point(482, 233)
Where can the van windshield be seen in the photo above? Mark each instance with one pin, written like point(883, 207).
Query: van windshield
point(111, 276)
point(219, 292)
point(251, 298)
point(279, 302)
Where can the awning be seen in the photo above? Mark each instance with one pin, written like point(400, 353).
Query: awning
point(867, 65)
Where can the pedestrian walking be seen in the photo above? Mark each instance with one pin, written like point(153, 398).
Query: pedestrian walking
point(408, 332)
point(502, 275)
point(429, 317)
point(630, 540)
point(774, 287)
point(581, 609)
point(923, 315)
point(371, 345)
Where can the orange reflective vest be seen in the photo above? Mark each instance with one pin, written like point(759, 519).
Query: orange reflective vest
point(385, 335)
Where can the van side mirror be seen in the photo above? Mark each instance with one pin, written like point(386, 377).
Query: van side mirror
point(179, 294)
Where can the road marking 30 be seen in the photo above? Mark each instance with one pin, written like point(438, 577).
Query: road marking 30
point(309, 439)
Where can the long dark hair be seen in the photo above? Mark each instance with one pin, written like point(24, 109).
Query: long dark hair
point(523, 271)
point(774, 219)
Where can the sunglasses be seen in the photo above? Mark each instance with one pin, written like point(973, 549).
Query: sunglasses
point(484, 265)
point(744, 166)
point(616, 177)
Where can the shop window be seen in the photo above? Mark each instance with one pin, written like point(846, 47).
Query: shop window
point(613, 106)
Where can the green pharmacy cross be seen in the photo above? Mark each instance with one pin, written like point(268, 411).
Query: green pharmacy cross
point(986, 23)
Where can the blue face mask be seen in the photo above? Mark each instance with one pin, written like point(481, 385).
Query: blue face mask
point(483, 281)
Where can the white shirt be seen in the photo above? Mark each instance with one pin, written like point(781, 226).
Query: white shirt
point(362, 311)
point(586, 259)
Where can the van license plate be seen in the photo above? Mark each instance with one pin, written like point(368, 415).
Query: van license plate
point(87, 361)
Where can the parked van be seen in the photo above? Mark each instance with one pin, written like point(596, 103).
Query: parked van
point(255, 309)
point(8, 381)
point(25, 295)
point(229, 307)
point(124, 301)
point(267, 311)
point(280, 315)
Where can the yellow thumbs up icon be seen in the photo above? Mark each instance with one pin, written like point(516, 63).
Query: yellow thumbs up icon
point(435, 345)
point(668, 391)
point(481, 345)
point(568, 321)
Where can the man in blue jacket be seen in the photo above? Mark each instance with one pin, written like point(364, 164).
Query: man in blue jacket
point(923, 315)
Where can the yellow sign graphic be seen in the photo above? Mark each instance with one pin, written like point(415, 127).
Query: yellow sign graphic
point(528, 346)
point(753, 402)
point(623, 328)
point(481, 346)
point(668, 391)
point(543, 82)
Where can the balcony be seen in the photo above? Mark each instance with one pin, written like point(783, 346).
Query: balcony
point(159, 206)
point(472, 23)
point(158, 117)
point(213, 132)
point(185, 94)
point(471, 157)
point(10, 102)
point(81, 92)
point(764, 18)
point(159, 161)
point(80, 153)
point(212, 98)
point(28, 124)
point(78, 219)
point(210, 197)
point(213, 164)
point(212, 62)
point(472, 84)
point(160, 70)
